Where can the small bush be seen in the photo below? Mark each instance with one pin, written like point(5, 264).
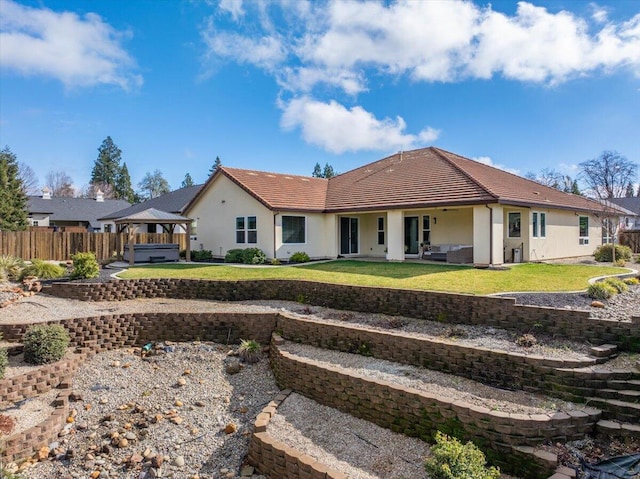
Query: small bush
point(4, 360)
point(201, 255)
point(253, 256)
point(526, 340)
point(85, 265)
point(45, 344)
point(42, 270)
point(452, 460)
point(250, 350)
point(233, 256)
point(631, 281)
point(183, 253)
point(299, 257)
point(10, 267)
point(601, 291)
point(604, 252)
point(276, 262)
point(617, 284)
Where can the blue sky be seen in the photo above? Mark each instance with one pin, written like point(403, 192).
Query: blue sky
point(281, 85)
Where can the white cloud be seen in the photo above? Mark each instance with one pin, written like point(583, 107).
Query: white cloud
point(486, 160)
point(338, 129)
point(320, 50)
point(233, 7)
point(78, 51)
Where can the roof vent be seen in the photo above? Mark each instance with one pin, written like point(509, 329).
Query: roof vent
point(252, 173)
point(536, 192)
point(46, 193)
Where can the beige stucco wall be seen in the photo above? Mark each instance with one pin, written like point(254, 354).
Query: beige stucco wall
point(454, 226)
point(223, 201)
point(216, 213)
point(562, 239)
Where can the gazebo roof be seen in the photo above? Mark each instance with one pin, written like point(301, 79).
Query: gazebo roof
point(152, 215)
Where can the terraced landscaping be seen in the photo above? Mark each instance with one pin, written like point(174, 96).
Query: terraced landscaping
point(552, 387)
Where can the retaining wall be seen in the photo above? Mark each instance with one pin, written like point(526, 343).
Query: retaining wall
point(435, 306)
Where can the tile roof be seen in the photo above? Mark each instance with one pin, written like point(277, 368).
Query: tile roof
point(278, 191)
point(427, 177)
point(75, 209)
point(173, 202)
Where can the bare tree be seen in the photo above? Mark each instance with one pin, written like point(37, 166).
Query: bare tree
point(608, 175)
point(60, 184)
point(29, 179)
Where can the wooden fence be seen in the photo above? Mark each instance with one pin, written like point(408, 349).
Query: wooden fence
point(631, 239)
point(59, 246)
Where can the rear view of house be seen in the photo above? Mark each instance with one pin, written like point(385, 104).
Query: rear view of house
point(426, 203)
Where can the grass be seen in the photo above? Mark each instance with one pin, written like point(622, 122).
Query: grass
point(435, 277)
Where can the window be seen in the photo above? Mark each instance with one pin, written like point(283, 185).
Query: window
point(539, 221)
point(107, 228)
point(426, 230)
point(246, 229)
point(35, 222)
point(514, 225)
point(380, 230)
point(584, 230)
point(293, 229)
point(252, 229)
point(240, 232)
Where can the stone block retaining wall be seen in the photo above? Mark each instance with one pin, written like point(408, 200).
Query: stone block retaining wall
point(419, 414)
point(435, 306)
point(275, 459)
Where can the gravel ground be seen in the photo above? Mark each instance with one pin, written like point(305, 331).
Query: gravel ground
point(353, 446)
point(183, 425)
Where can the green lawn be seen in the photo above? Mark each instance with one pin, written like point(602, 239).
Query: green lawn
point(435, 277)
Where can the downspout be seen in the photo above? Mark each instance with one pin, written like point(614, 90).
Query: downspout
point(274, 233)
point(490, 234)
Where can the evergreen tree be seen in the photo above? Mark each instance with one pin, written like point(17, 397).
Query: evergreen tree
point(629, 192)
point(188, 181)
point(638, 194)
point(107, 166)
point(317, 171)
point(216, 164)
point(328, 171)
point(123, 190)
point(575, 189)
point(13, 200)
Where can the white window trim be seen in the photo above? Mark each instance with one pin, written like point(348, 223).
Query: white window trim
point(306, 228)
point(583, 240)
point(538, 231)
point(384, 233)
point(246, 229)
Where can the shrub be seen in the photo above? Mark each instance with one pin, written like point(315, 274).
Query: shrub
point(299, 257)
point(10, 267)
point(631, 281)
point(249, 350)
point(452, 460)
point(526, 340)
point(617, 284)
point(276, 262)
point(601, 290)
point(42, 270)
point(233, 256)
point(85, 265)
point(253, 256)
point(45, 344)
point(201, 255)
point(604, 252)
point(183, 254)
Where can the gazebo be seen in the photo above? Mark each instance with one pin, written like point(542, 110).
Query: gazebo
point(153, 216)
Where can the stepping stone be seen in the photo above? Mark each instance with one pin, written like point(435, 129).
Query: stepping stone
point(604, 350)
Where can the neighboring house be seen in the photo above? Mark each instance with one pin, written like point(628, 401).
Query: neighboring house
point(61, 213)
point(389, 208)
point(631, 220)
point(173, 202)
